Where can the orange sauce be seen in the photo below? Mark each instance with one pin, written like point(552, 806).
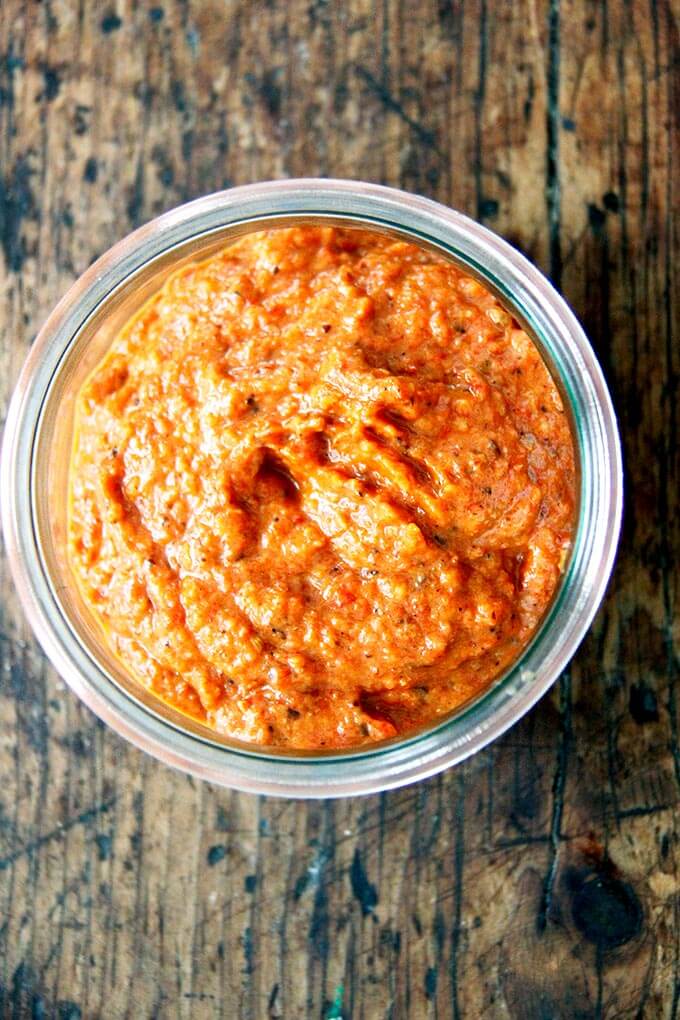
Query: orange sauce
point(322, 490)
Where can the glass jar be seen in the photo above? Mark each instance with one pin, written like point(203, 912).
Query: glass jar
point(37, 447)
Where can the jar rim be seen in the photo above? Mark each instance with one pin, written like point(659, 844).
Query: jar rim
point(561, 339)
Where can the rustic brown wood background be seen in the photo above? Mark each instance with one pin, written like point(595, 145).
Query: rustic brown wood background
point(542, 878)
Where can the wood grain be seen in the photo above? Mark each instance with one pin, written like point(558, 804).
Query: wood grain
point(542, 878)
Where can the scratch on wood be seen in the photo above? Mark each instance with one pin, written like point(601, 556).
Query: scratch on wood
point(426, 136)
point(559, 784)
point(480, 93)
point(84, 818)
point(553, 145)
point(459, 858)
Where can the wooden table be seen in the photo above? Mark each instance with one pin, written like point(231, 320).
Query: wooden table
point(542, 878)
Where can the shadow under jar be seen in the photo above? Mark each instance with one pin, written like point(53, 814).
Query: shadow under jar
point(35, 483)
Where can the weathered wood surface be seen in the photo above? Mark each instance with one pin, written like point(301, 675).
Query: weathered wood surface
point(541, 879)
